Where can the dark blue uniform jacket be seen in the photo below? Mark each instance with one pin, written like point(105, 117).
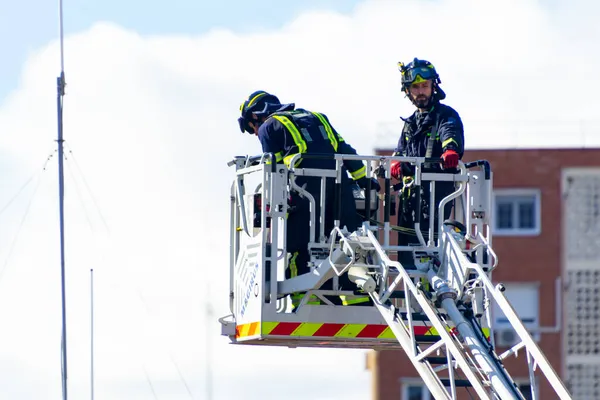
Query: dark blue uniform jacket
point(300, 131)
point(442, 123)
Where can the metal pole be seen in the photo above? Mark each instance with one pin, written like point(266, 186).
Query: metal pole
point(92, 332)
point(60, 87)
point(208, 358)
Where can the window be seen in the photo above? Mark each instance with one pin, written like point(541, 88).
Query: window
point(524, 298)
point(415, 389)
point(517, 212)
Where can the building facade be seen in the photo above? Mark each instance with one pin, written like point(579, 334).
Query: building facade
point(546, 234)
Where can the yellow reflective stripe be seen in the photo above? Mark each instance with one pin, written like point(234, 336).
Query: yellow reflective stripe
point(347, 302)
point(387, 334)
point(293, 267)
point(252, 100)
point(306, 329)
point(298, 140)
point(278, 156)
point(359, 173)
point(434, 332)
point(486, 332)
point(350, 330)
point(328, 129)
point(425, 284)
point(448, 141)
point(297, 298)
point(267, 327)
point(288, 159)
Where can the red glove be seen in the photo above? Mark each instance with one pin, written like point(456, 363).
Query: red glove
point(450, 158)
point(396, 170)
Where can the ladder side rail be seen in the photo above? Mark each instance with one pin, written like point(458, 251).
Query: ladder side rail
point(430, 378)
point(520, 329)
point(453, 276)
point(411, 331)
point(448, 283)
point(433, 317)
point(502, 385)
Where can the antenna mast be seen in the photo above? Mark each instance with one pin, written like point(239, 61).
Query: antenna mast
point(60, 86)
point(92, 331)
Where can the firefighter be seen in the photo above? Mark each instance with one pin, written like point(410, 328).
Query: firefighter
point(286, 131)
point(434, 130)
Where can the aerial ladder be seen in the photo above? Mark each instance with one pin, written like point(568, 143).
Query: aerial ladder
point(436, 308)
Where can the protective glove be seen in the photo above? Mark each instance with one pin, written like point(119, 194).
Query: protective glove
point(362, 182)
point(450, 158)
point(396, 170)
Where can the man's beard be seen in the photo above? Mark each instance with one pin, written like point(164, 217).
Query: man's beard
point(422, 101)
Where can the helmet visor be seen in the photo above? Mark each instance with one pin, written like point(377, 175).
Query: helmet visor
point(244, 126)
point(418, 75)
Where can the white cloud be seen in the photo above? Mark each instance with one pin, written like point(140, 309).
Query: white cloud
point(152, 122)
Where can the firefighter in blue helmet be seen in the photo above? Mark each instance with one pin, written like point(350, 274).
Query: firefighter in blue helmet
point(286, 131)
point(434, 130)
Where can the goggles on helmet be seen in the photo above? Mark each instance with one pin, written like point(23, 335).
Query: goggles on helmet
point(418, 75)
point(248, 106)
point(417, 71)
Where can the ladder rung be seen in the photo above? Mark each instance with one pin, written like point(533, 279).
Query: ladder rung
point(421, 317)
point(457, 382)
point(437, 360)
point(427, 338)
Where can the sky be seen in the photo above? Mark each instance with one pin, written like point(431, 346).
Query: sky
point(150, 122)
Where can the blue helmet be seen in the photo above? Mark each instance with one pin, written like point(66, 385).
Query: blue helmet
point(418, 71)
point(259, 103)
